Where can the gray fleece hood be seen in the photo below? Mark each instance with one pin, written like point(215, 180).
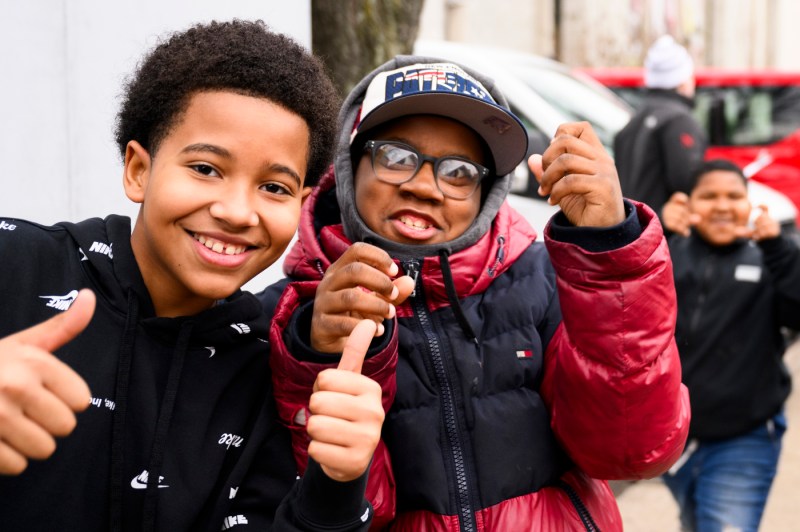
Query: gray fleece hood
point(502, 131)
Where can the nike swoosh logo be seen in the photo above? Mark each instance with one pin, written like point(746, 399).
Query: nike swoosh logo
point(139, 483)
point(135, 484)
point(211, 350)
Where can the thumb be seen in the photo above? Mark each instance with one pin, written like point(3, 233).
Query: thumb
point(355, 349)
point(680, 197)
point(58, 330)
point(535, 165)
point(404, 285)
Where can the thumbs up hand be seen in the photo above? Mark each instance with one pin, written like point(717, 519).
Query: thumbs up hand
point(346, 411)
point(38, 393)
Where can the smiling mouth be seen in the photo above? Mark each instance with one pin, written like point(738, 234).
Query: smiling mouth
point(217, 246)
point(414, 223)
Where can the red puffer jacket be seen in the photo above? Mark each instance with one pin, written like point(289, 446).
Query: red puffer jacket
point(574, 377)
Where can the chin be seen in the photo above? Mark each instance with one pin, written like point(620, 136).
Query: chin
point(218, 291)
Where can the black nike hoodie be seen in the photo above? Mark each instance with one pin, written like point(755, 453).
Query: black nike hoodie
point(182, 432)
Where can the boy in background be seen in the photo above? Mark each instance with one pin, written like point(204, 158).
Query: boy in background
point(737, 286)
point(224, 128)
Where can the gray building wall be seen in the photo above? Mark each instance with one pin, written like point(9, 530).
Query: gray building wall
point(63, 63)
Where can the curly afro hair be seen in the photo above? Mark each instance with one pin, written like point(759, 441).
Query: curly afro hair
point(239, 56)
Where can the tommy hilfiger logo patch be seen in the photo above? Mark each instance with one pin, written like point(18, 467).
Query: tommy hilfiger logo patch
point(525, 353)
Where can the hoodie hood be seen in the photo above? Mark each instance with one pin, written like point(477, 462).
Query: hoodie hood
point(354, 227)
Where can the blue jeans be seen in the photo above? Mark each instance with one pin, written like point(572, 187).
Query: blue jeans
point(723, 485)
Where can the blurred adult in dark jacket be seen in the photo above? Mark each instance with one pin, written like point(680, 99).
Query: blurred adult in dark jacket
point(657, 150)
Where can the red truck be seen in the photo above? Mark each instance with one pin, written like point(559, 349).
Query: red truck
point(752, 118)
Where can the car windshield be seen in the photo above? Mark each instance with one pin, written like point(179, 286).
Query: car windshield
point(743, 116)
point(576, 99)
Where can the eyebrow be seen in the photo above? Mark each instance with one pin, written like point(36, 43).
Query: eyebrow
point(201, 147)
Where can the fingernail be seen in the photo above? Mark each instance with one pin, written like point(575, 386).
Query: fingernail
point(392, 312)
point(540, 191)
point(381, 329)
point(393, 269)
point(395, 292)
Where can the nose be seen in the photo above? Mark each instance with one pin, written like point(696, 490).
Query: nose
point(722, 204)
point(423, 184)
point(234, 207)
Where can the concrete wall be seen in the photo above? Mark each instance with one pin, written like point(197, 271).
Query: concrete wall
point(62, 65)
point(524, 25)
point(725, 33)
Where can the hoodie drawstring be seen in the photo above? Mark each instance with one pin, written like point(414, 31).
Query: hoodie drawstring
point(452, 296)
point(118, 423)
point(162, 427)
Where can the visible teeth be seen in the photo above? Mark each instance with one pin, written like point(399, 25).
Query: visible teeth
point(220, 247)
point(417, 224)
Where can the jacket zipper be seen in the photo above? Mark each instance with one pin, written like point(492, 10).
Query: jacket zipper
point(583, 512)
point(465, 511)
point(702, 293)
point(500, 255)
point(318, 266)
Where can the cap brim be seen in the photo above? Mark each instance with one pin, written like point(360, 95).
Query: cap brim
point(502, 131)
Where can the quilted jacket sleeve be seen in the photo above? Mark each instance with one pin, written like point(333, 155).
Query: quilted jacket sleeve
point(294, 379)
point(612, 371)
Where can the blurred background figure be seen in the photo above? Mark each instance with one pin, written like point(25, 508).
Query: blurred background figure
point(656, 151)
point(738, 285)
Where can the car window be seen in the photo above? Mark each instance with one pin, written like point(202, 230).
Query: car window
point(577, 100)
point(745, 116)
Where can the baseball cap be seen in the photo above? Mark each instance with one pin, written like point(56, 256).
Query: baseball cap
point(445, 89)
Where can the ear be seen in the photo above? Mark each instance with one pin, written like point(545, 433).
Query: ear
point(305, 194)
point(136, 172)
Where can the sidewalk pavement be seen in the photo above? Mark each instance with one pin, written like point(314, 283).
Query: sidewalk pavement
point(647, 506)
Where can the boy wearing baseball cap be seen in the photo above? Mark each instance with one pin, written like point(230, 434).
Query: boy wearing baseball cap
point(224, 128)
point(513, 375)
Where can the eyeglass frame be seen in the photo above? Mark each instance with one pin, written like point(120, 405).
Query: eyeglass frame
point(422, 158)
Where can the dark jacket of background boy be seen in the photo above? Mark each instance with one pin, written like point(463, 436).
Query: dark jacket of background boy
point(732, 302)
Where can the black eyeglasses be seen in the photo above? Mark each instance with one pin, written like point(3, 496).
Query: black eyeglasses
point(396, 163)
